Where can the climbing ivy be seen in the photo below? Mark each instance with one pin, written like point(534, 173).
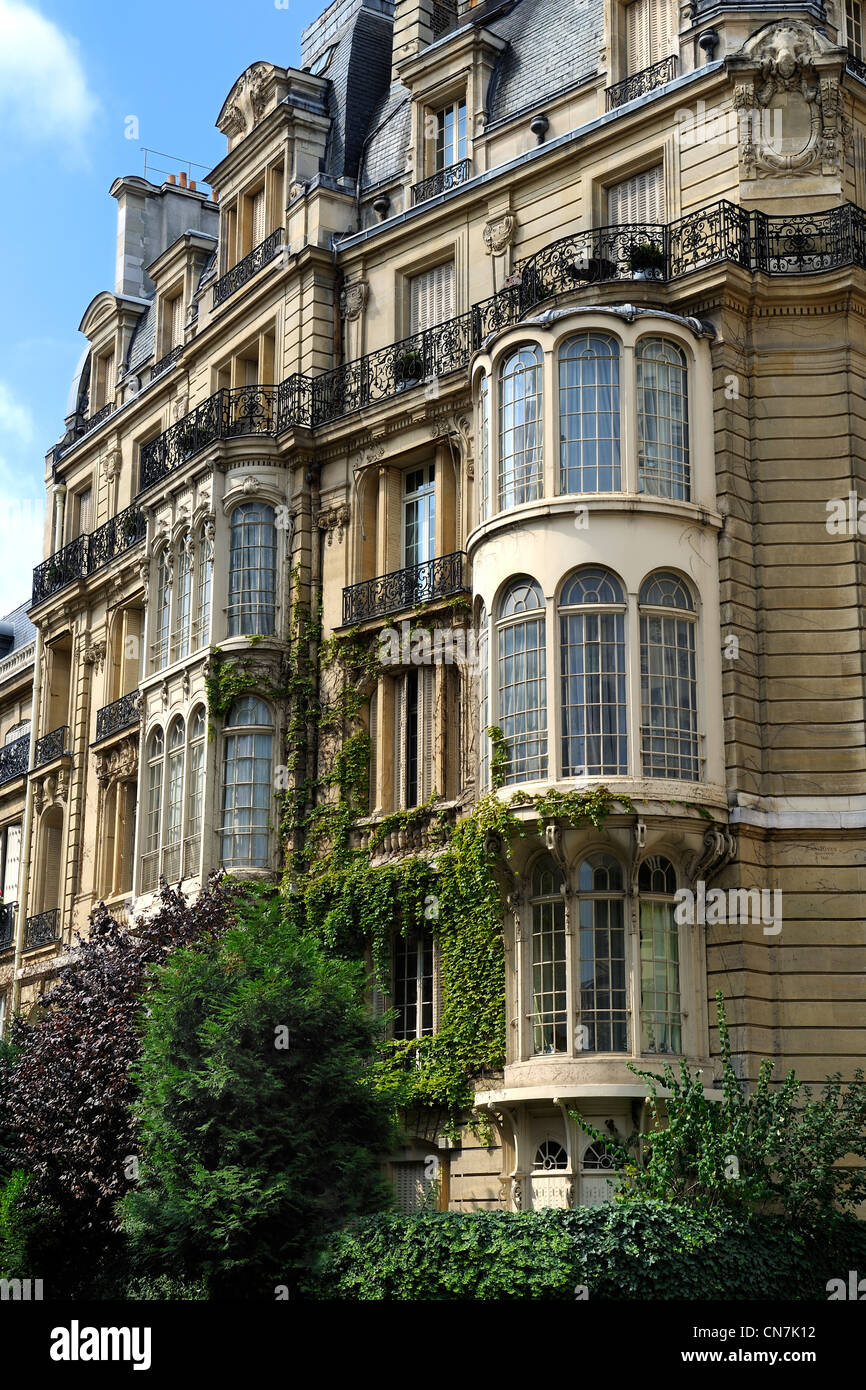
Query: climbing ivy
point(499, 759)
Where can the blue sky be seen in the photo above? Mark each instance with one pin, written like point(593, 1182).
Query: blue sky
point(70, 76)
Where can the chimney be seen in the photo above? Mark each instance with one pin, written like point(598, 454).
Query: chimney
point(149, 219)
point(413, 31)
point(170, 179)
point(182, 177)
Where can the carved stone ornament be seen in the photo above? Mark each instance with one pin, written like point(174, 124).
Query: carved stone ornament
point(787, 96)
point(111, 462)
point(117, 764)
point(180, 403)
point(353, 299)
point(499, 233)
point(516, 1194)
point(51, 790)
point(246, 102)
point(144, 576)
point(251, 485)
point(92, 653)
point(334, 520)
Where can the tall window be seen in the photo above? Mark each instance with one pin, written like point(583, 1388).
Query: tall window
point(522, 684)
point(669, 702)
point(201, 625)
point(152, 812)
point(649, 33)
point(854, 27)
point(589, 414)
point(413, 985)
point(162, 612)
point(183, 600)
point(419, 515)
point(603, 1021)
point(549, 964)
point(640, 198)
point(252, 570)
point(662, 419)
point(520, 428)
point(592, 655)
point(414, 733)
point(10, 861)
point(660, 1012)
point(483, 700)
point(451, 134)
point(248, 775)
point(431, 297)
point(484, 448)
point(171, 859)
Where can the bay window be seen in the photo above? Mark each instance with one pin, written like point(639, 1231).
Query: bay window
point(520, 427)
point(662, 419)
point(549, 960)
point(669, 701)
point(589, 426)
point(252, 570)
point(661, 1015)
point(592, 655)
point(522, 682)
point(247, 784)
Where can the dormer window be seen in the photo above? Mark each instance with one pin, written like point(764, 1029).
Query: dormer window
point(450, 135)
point(103, 382)
point(321, 64)
point(649, 33)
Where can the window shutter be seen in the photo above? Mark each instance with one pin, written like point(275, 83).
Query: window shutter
point(649, 33)
point(374, 720)
point(13, 859)
point(638, 199)
point(399, 741)
point(431, 297)
point(410, 1186)
point(637, 44)
point(176, 325)
point(426, 731)
point(258, 232)
point(51, 882)
point(85, 499)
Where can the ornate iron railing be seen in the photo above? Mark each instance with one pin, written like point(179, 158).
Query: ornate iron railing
point(239, 274)
point(120, 714)
point(89, 553)
point(405, 588)
point(165, 362)
point(441, 182)
point(808, 243)
point(7, 925)
point(641, 83)
point(856, 67)
point(95, 420)
point(51, 746)
point(225, 414)
point(14, 758)
point(42, 929)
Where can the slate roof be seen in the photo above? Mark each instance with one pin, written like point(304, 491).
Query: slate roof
point(21, 626)
point(359, 72)
point(142, 342)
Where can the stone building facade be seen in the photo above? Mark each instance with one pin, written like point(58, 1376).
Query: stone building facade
point(556, 310)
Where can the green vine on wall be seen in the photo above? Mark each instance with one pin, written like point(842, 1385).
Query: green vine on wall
point(499, 757)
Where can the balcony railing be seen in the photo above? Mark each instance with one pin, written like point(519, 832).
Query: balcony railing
point(42, 929)
point(406, 588)
point(640, 83)
point(14, 758)
point(120, 714)
point(239, 274)
point(227, 413)
point(166, 361)
point(441, 182)
point(7, 925)
point(51, 746)
point(94, 421)
point(87, 554)
point(856, 67)
point(802, 244)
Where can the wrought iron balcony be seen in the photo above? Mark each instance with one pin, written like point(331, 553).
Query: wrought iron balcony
point(14, 758)
point(121, 714)
point(87, 554)
point(441, 182)
point(239, 274)
point(7, 925)
point(51, 746)
point(166, 361)
point(640, 83)
point(94, 421)
point(227, 413)
point(406, 588)
point(42, 930)
point(856, 67)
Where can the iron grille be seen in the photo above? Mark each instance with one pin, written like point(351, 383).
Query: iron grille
point(14, 758)
point(51, 746)
point(165, 362)
point(7, 925)
point(227, 413)
point(120, 714)
point(639, 84)
point(441, 182)
point(239, 274)
point(404, 588)
point(42, 929)
point(89, 553)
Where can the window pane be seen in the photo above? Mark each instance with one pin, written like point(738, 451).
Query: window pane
point(520, 472)
point(589, 414)
point(662, 419)
point(252, 570)
point(593, 678)
point(661, 1023)
point(549, 991)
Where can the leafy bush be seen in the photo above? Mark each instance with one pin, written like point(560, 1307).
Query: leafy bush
point(260, 1129)
point(645, 1250)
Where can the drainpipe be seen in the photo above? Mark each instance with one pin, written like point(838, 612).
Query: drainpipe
point(26, 833)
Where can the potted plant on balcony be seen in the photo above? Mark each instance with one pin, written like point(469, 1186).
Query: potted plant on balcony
point(646, 260)
point(408, 367)
point(129, 526)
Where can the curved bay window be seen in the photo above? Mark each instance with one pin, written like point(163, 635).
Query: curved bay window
point(483, 700)
point(152, 811)
point(182, 642)
point(660, 1008)
point(162, 612)
point(173, 802)
point(522, 680)
point(252, 570)
point(183, 577)
point(201, 624)
point(603, 1017)
point(484, 448)
point(662, 419)
point(669, 717)
point(549, 960)
point(247, 790)
point(194, 793)
point(520, 428)
point(589, 423)
point(592, 663)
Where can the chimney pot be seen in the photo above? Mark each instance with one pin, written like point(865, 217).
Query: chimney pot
point(171, 178)
point(182, 177)
point(192, 185)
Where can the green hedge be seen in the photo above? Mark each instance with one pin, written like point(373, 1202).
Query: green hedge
point(643, 1250)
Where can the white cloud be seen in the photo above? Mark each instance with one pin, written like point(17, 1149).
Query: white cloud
point(44, 96)
point(21, 522)
point(16, 422)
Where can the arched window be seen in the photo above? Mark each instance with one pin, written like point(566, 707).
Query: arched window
point(589, 459)
point(668, 678)
point(660, 1013)
point(248, 778)
point(204, 552)
point(662, 419)
point(252, 570)
point(520, 427)
point(599, 1176)
point(152, 812)
point(483, 700)
point(484, 448)
point(549, 964)
point(603, 1019)
point(592, 657)
point(171, 856)
point(550, 1156)
point(522, 680)
point(161, 612)
point(194, 794)
point(183, 600)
